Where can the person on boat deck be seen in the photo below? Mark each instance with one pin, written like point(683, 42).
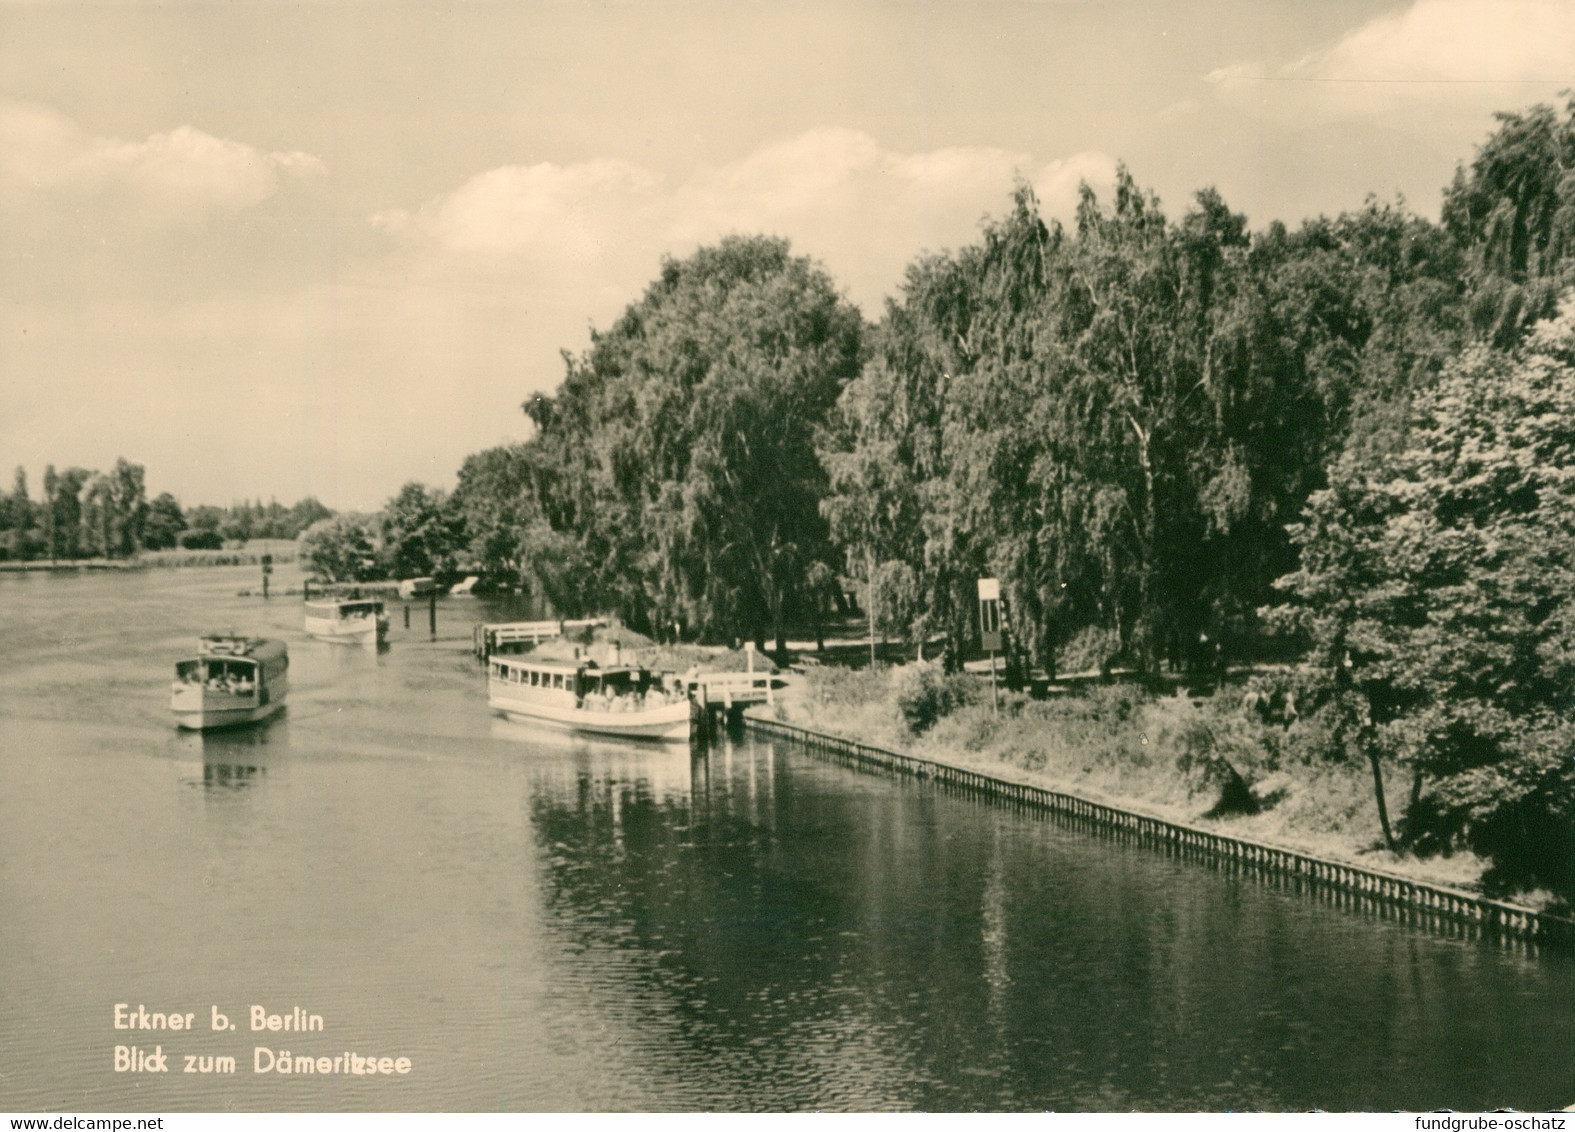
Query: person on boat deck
point(243, 687)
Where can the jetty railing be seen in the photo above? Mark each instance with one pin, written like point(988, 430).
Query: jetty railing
point(727, 689)
point(1431, 905)
point(514, 636)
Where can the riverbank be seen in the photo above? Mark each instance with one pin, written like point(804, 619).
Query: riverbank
point(44, 566)
point(1203, 761)
point(1436, 907)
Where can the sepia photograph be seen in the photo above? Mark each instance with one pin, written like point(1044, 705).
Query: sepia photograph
point(811, 556)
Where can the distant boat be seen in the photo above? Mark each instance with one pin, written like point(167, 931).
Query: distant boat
point(625, 702)
point(347, 621)
point(417, 587)
point(232, 680)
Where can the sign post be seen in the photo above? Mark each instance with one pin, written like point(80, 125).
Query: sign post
point(990, 630)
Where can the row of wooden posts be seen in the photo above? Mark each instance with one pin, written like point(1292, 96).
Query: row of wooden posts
point(1427, 905)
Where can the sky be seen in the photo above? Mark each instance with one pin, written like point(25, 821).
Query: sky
point(271, 250)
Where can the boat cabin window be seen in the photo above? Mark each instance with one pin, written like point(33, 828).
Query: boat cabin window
point(235, 676)
point(531, 677)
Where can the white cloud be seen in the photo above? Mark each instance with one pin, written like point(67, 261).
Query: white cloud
point(541, 209)
point(863, 210)
point(169, 175)
point(1456, 41)
point(1431, 65)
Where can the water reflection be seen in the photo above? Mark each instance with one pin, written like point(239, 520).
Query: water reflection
point(229, 776)
point(675, 896)
point(236, 758)
point(813, 937)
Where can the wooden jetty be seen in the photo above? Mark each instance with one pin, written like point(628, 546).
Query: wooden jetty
point(519, 636)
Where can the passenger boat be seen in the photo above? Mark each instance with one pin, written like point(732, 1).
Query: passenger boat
point(231, 680)
point(578, 696)
point(347, 620)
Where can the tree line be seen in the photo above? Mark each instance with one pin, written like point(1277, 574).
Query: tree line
point(1174, 440)
point(90, 514)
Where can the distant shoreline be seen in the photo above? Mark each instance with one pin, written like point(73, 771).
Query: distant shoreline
point(75, 564)
point(156, 559)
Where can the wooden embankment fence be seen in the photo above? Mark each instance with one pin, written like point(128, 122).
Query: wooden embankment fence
point(1427, 905)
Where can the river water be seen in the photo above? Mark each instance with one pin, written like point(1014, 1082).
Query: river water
point(542, 923)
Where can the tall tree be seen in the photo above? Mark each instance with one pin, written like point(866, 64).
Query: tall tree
point(164, 524)
point(418, 535)
point(1437, 585)
point(1513, 211)
point(66, 511)
point(339, 549)
point(50, 518)
point(20, 505)
point(128, 508)
point(681, 445)
point(494, 505)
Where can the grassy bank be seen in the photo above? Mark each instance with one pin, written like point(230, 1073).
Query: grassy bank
point(1211, 761)
point(282, 551)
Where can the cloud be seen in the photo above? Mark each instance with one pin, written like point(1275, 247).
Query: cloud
point(1456, 41)
point(1432, 64)
point(548, 210)
point(863, 210)
point(172, 176)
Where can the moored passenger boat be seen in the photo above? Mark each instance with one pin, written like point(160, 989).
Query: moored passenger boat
point(231, 680)
point(347, 620)
point(622, 701)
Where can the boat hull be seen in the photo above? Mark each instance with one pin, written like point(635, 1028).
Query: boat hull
point(669, 723)
point(340, 633)
point(212, 720)
point(199, 709)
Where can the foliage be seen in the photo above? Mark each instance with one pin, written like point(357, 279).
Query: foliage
point(1514, 213)
point(339, 550)
point(164, 523)
point(1106, 419)
point(1437, 586)
point(85, 513)
point(925, 694)
point(674, 470)
point(203, 539)
point(420, 534)
point(494, 506)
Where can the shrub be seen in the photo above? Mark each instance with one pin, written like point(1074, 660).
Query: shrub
point(1088, 651)
point(925, 694)
point(202, 540)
